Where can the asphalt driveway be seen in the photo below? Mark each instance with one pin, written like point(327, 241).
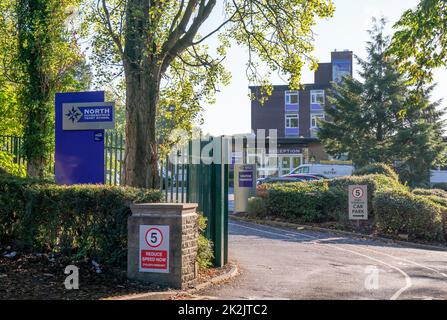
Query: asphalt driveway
point(279, 263)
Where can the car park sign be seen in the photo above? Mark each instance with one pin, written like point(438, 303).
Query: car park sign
point(358, 202)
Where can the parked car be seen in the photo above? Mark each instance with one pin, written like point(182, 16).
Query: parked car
point(279, 180)
point(304, 177)
point(329, 171)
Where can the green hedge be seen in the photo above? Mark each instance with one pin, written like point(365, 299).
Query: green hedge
point(393, 209)
point(377, 168)
point(336, 202)
point(302, 200)
point(79, 221)
point(440, 185)
point(318, 201)
point(400, 212)
point(430, 192)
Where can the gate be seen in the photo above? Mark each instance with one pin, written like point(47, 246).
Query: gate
point(207, 185)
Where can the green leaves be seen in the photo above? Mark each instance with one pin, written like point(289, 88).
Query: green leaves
point(278, 33)
point(420, 42)
point(40, 55)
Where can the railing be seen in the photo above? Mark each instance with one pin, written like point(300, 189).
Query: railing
point(173, 176)
point(113, 157)
point(13, 145)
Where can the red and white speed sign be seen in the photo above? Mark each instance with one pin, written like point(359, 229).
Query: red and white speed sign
point(154, 248)
point(154, 237)
point(357, 193)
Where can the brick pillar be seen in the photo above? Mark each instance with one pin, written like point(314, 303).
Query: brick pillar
point(146, 260)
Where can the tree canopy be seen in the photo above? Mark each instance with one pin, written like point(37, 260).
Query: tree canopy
point(167, 63)
point(420, 40)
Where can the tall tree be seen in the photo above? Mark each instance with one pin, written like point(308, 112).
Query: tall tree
point(10, 115)
point(363, 113)
point(382, 118)
point(47, 54)
point(420, 42)
point(418, 143)
point(159, 45)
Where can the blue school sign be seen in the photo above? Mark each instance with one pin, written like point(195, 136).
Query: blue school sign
point(81, 118)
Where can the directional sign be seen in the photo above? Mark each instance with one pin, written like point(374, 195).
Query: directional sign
point(154, 249)
point(88, 116)
point(246, 176)
point(358, 202)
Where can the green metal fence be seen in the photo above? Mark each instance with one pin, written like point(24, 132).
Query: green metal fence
point(207, 185)
point(13, 145)
point(114, 145)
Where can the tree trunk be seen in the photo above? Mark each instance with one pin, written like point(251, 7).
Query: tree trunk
point(35, 167)
point(141, 158)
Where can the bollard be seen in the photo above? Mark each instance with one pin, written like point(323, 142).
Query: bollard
point(162, 244)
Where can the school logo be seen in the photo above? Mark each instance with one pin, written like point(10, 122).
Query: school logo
point(74, 114)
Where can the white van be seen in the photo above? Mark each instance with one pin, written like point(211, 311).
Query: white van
point(329, 171)
point(438, 176)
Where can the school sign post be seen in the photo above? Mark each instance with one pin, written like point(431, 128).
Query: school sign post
point(80, 120)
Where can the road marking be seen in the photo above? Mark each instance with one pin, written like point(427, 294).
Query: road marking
point(395, 296)
point(408, 261)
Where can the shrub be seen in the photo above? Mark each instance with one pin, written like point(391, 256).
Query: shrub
point(205, 254)
point(335, 204)
point(256, 207)
point(377, 168)
point(375, 183)
point(402, 212)
point(79, 221)
point(430, 192)
point(440, 185)
point(301, 200)
point(320, 201)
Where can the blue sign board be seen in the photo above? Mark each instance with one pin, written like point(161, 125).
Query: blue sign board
point(79, 154)
point(246, 177)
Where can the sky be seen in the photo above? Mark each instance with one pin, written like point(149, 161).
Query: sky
point(346, 30)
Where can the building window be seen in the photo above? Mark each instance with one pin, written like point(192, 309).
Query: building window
point(292, 97)
point(341, 69)
point(292, 121)
point(317, 97)
point(315, 119)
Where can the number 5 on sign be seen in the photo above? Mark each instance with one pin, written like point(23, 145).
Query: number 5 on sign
point(358, 202)
point(154, 237)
